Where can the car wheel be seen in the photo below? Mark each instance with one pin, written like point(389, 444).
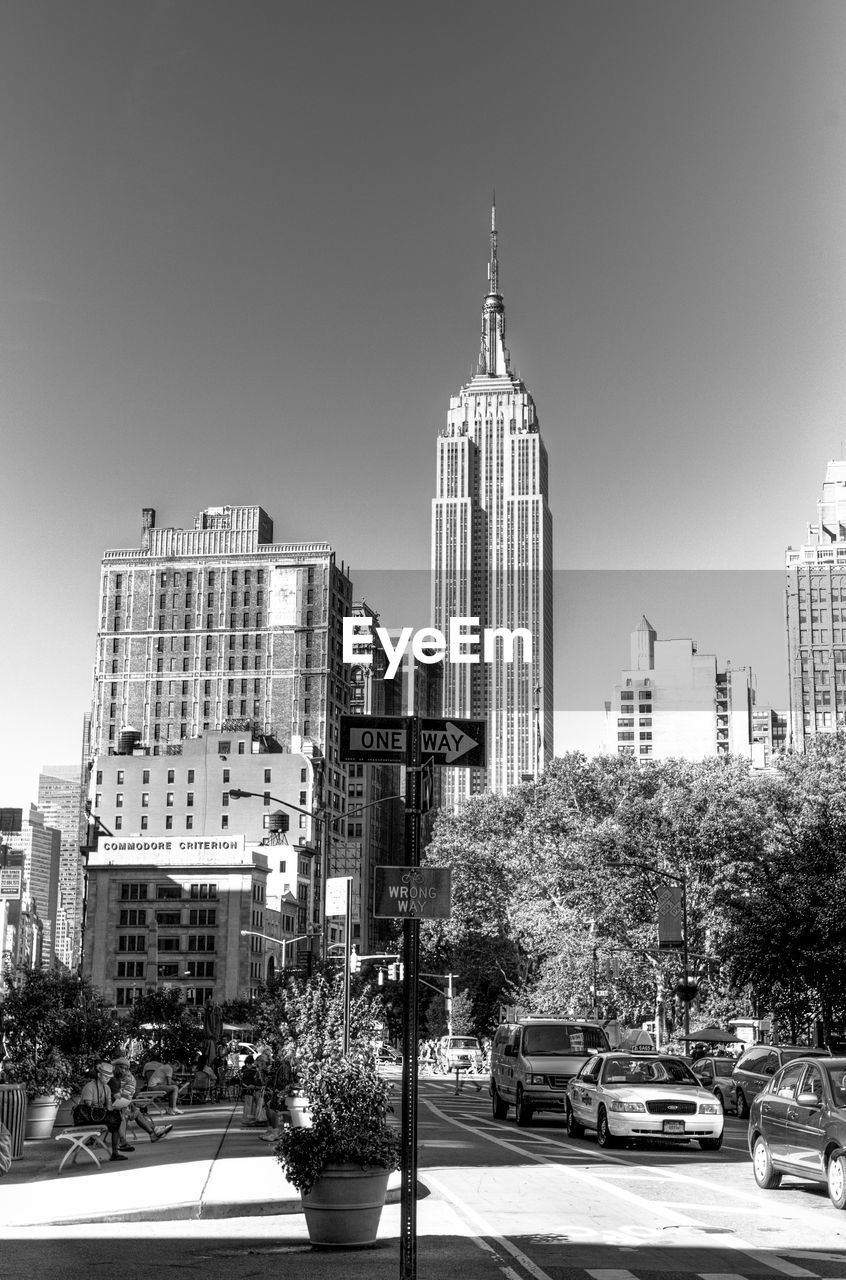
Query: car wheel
point(574, 1129)
point(604, 1136)
point(498, 1107)
point(742, 1105)
point(522, 1110)
point(836, 1176)
point(765, 1175)
point(711, 1144)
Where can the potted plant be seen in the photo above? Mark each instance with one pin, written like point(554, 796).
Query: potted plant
point(340, 1164)
point(48, 1079)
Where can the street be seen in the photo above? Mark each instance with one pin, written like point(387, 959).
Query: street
point(498, 1200)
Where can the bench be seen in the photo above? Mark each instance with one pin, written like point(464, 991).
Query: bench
point(150, 1097)
point(83, 1138)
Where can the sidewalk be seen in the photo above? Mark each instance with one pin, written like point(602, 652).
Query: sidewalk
point(209, 1166)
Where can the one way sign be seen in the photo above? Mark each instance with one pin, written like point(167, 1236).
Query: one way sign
point(460, 744)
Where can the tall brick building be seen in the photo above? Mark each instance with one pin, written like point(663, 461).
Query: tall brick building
point(216, 624)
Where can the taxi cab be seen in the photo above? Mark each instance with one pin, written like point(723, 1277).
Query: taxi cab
point(627, 1097)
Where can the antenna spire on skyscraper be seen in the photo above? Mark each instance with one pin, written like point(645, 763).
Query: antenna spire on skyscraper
point(493, 265)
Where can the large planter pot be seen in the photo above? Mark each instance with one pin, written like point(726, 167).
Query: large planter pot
point(13, 1115)
point(40, 1117)
point(64, 1116)
point(299, 1110)
point(344, 1206)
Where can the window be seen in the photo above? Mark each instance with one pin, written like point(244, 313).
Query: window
point(132, 942)
point(145, 799)
point(119, 800)
point(168, 917)
point(169, 822)
point(189, 822)
point(171, 776)
point(224, 799)
point(133, 892)
point(267, 775)
point(224, 822)
point(201, 941)
point(166, 891)
point(118, 823)
point(145, 777)
point(168, 944)
point(169, 799)
point(189, 800)
point(99, 778)
point(119, 778)
point(130, 968)
point(132, 916)
point(202, 915)
point(144, 822)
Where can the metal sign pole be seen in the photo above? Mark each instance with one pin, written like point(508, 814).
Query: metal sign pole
point(411, 956)
point(347, 949)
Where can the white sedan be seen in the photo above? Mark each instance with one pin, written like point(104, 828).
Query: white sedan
point(630, 1096)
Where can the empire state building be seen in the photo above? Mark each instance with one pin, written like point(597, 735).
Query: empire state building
point(492, 558)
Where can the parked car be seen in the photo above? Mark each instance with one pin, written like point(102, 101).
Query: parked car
point(388, 1056)
point(797, 1126)
point(463, 1052)
point(633, 1096)
point(755, 1068)
point(715, 1073)
point(532, 1061)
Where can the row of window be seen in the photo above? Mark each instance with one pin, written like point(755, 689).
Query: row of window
point(138, 891)
point(126, 996)
point(195, 942)
point(134, 916)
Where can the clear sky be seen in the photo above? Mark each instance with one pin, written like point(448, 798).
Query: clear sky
point(242, 253)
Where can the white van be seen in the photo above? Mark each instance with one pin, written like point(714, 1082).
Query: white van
point(532, 1061)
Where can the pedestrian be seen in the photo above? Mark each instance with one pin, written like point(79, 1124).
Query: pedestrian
point(97, 1093)
point(280, 1079)
point(123, 1084)
point(159, 1075)
point(250, 1089)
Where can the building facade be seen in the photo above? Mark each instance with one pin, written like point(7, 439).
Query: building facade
point(672, 701)
point(815, 617)
point(769, 734)
point(492, 557)
point(29, 886)
point(169, 912)
point(188, 801)
point(218, 627)
point(61, 799)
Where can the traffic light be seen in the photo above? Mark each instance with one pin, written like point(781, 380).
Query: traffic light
point(401, 974)
point(392, 971)
point(355, 961)
point(380, 978)
point(686, 989)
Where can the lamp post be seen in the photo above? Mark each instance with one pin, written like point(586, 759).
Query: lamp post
point(316, 815)
point(280, 942)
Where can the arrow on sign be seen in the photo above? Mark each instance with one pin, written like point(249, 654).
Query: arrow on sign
point(450, 742)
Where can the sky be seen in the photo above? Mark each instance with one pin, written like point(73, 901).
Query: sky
point(243, 251)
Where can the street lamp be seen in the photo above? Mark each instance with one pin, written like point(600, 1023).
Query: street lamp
point(280, 942)
point(316, 815)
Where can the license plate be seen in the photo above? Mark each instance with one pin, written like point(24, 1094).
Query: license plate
point(674, 1126)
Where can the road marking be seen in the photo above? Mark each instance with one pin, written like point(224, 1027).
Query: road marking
point(485, 1227)
point(610, 1273)
point(721, 1275)
point(778, 1264)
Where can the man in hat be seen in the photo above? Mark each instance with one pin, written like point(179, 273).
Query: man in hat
point(98, 1093)
point(122, 1085)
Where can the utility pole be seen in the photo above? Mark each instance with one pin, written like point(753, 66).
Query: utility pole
point(411, 952)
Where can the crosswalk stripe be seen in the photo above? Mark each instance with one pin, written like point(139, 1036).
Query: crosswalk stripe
point(720, 1275)
point(611, 1274)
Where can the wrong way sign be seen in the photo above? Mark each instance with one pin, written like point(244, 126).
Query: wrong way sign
point(461, 744)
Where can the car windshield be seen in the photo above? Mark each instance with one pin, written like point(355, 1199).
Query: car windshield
point(463, 1042)
point(723, 1066)
point(560, 1038)
point(647, 1071)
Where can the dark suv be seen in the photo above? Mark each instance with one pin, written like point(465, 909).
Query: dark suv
point(755, 1068)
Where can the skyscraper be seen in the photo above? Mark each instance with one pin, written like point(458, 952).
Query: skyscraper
point(815, 611)
point(492, 557)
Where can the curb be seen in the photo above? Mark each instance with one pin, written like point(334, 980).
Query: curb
point(203, 1212)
